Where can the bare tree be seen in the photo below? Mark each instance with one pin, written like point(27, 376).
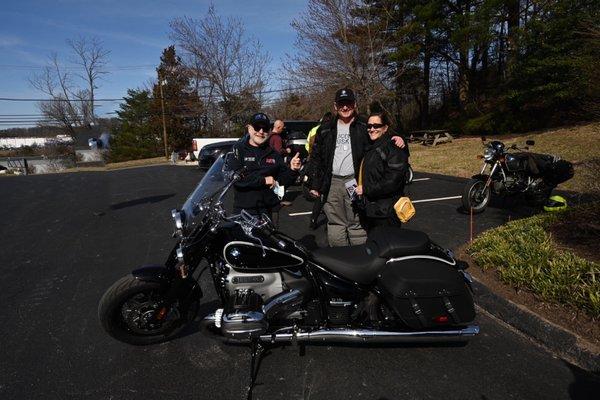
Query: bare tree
point(341, 43)
point(71, 105)
point(91, 56)
point(229, 68)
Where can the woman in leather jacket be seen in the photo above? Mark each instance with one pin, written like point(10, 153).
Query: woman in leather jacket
point(383, 174)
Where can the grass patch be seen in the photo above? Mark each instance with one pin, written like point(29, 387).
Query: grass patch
point(526, 256)
point(137, 163)
point(579, 145)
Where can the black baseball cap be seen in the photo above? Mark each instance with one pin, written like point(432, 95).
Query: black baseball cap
point(260, 120)
point(344, 94)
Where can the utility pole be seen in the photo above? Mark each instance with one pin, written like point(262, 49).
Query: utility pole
point(162, 105)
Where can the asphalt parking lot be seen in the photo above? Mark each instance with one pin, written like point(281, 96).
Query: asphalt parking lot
point(65, 238)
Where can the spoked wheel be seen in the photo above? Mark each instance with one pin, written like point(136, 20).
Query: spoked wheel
point(133, 311)
point(410, 175)
point(476, 196)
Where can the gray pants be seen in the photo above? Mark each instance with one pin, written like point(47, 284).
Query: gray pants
point(343, 225)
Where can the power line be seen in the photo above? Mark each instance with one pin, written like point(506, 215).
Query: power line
point(151, 98)
point(57, 100)
point(74, 67)
point(21, 115)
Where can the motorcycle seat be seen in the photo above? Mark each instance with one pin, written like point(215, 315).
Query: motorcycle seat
point(355, 263)
point(362, 263)
point(394, 241)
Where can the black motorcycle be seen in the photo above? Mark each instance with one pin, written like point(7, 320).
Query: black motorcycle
point(514, 171)
point(398, 287)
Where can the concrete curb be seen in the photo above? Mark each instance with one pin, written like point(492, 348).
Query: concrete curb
point(560, 341)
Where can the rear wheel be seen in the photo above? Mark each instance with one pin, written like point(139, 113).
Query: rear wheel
point(134, 311)
point(476, 196)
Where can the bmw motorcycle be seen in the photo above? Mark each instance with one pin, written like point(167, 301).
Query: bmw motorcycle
point(397, 287)
point(512, 171)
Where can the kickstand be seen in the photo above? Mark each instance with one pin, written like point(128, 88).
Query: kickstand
point(256, 352)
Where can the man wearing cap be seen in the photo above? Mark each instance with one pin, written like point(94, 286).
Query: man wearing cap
point(338, 150)
point(264, 169)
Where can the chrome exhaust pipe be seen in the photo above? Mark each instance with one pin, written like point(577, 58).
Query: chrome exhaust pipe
point(372, 336)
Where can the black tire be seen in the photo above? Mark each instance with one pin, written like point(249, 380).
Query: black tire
point(128, 305)
point(410, 175)
point(476, 196)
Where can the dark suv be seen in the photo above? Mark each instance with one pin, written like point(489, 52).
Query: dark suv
point(210, 152)
point(295, 134)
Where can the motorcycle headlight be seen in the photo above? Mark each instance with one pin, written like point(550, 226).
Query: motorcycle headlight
point(488, 153)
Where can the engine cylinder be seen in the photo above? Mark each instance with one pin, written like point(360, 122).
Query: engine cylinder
point(244, 325)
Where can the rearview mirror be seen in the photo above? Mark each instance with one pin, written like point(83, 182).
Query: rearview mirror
point(229, 161)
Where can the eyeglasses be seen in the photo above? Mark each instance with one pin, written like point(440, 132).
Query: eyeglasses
point(375, 126)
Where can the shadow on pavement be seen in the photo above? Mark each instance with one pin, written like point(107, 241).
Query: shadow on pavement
point(142, 200)
point(586, 384)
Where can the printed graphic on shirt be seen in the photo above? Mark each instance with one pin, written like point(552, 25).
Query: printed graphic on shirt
point(270, 161)
point(342, 139)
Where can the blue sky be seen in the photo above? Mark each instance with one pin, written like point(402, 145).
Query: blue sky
point(134, 31)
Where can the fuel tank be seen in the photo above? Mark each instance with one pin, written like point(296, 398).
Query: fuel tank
point(261, 252)
point(248, 256)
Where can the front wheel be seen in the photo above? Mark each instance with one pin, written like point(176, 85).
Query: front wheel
point(134, 311)
point(476, 196)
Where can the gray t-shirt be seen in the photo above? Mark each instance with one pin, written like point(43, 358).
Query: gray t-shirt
point(342, 158)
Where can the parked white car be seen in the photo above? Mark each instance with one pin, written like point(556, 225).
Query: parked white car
point(198, 143)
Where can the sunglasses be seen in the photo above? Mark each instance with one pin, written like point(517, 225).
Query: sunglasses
point(345, 103)
point(375, 126)
point(259, 127)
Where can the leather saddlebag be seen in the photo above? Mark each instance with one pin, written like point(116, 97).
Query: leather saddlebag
point(427, 293)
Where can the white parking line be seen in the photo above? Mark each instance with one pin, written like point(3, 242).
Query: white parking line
point(414, 201)
point(421, 179)
point(437, 199)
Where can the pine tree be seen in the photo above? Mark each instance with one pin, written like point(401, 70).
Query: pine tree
point(135, 137)
point(183, 109)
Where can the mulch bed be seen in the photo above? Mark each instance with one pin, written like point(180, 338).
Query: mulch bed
point(580, 233)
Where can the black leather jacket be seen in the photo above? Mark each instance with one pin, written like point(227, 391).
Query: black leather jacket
point(251, 192)
point(321, 157)
point(384, 172)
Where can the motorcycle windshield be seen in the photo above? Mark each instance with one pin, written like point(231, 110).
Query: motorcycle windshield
point(210, 185)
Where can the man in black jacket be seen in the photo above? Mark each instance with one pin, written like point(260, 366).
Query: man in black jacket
point(264, 169)
point(338, 150)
